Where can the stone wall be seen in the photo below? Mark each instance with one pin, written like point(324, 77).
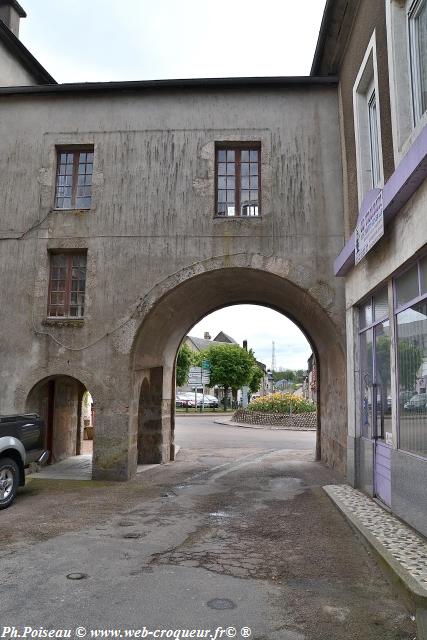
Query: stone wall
point(300, 421)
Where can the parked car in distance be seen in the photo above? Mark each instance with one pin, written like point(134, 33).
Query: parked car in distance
point(416, 403)
point(187, 399)
point(211, 401)
point(21, 443)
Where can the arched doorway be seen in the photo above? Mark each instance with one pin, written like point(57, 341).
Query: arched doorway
point(171, 316)
point(67, 408)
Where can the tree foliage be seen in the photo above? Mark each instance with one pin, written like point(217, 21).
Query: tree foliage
point(231, 366)
point(257, 375)
point(410, 358)
point(183, 363)
point(290, 375)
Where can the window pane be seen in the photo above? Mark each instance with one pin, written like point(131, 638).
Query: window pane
point(254, 169)
point(381, 304)
point(222, 156)
point(373, 140)
point(222, 169)
point(383, 379)
point(422, 54)
point(407, 286)
point(230, 156)
point(366, 373)
point(222, 209)
point(244, 196)
point(244, 156)
point(254, 182)
point(365, 315)
point(412, 372)
point(222, 183)
point(244, 169)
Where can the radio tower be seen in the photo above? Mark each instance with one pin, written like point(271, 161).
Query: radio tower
point(273, 357)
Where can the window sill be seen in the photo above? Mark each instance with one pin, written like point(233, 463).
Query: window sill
point(63, 322)
point(237, 217)
point(71, 210)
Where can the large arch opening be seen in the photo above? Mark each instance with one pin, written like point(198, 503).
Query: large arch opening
point(68, 410)
point(171, 316)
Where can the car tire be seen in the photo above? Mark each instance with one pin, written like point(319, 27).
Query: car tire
point(9, 481)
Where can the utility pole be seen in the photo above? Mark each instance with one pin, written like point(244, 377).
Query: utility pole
point(273, 363)
point(273, 357)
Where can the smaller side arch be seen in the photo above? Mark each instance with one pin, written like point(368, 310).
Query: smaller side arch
point(58, 399)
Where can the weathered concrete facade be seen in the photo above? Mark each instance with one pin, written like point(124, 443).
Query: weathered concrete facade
point(158, 259)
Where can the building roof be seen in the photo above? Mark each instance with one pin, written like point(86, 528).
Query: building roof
point(202, 343)
point(136, 86)
point(15, 5)
point(21, 53)
point(224, 337)
point(333, 36)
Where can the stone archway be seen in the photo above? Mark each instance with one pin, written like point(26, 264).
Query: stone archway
point(58, 399)
point(185, 298)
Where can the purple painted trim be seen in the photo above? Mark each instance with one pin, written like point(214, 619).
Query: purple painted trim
point(399, 188)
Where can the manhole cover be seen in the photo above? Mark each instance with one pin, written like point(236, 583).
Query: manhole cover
point(221, 603)
point(133, 535)
point(77, 576)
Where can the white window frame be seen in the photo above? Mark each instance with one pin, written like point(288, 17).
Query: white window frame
point(406, 127)
point(369, 161)
point(418, 109)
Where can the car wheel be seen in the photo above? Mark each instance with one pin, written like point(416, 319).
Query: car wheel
point(9, 480)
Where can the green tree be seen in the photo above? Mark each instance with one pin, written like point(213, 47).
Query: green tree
point(257, 375)
point(231, 366)
point(183, 363)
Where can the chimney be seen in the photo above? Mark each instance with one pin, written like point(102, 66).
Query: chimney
point(207, 335)
point(245, 345)
point(11, 12)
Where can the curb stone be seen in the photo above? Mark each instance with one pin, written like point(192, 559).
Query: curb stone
point(403, 554)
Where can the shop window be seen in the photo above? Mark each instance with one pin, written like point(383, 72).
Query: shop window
point(238, 181)
point(367, 124)
point(417, 21)
point(74, 179)
point(411, 332)
point(67, 285)
point(412, 374)
point(375, 366)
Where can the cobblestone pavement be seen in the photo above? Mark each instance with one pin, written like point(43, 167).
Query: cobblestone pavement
point(231, 536)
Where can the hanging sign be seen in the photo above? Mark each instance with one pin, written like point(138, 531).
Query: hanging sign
point(369, 229)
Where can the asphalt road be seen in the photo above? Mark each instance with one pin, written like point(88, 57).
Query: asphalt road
point(236, 534)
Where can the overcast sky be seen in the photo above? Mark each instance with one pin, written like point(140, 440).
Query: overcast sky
point(101, 40)
point(259, 326)
point(85, 40)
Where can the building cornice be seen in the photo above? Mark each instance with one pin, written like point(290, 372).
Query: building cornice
point(277, 82)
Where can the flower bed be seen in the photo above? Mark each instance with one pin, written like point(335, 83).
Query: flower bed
point(297, 421)
point(284, 403)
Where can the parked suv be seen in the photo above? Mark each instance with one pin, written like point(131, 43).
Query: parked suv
point(21, 443)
